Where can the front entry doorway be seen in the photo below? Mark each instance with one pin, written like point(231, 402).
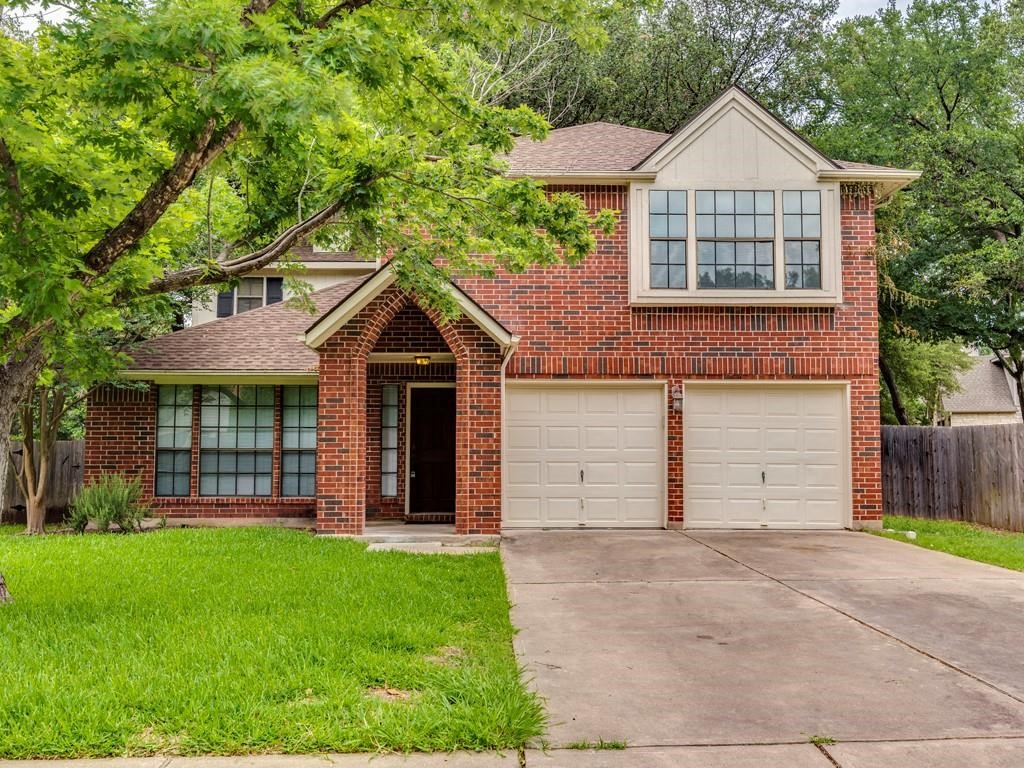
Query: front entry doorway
point(431, 463)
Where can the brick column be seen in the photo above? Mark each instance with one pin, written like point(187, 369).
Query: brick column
point(477, 433)
point(860, 294)
point(341, 439)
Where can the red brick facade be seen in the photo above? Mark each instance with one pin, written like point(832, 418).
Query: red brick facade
point(574, 323)
point(577, 322)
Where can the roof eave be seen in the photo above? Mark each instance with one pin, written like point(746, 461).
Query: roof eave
point(887, 180)
point(186, 376)
point(567, 176)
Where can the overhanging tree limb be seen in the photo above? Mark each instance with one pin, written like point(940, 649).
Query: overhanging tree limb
point(161, 194)
point(218, 273)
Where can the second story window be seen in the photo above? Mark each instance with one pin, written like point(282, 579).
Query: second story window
point(801, 216)
point(252, 292)
point(735, 239)
point(667, 226)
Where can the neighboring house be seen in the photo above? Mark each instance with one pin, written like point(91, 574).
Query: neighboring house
point(987, 395)
point(712, 365)
point(319, 269)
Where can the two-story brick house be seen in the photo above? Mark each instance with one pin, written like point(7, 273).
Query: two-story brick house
point(712, 364)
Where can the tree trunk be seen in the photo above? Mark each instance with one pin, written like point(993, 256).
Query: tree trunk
point(5, 596)
point(894, 393)
point(17, 377)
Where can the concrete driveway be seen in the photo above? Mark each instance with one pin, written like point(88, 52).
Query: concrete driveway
point(719, 648)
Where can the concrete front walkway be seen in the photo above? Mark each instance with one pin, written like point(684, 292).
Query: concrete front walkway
point(690, 646)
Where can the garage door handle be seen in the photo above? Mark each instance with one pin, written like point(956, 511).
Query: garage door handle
point(762, 477)
point(581, 477)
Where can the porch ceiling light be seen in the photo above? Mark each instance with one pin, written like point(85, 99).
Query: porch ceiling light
point(421, 359)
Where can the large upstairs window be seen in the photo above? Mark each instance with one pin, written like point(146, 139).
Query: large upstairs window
point(735, 239)
point(756, 246)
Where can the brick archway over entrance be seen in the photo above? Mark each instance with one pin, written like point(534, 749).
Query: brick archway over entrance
point(342, 433)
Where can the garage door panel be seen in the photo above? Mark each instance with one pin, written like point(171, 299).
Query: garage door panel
point(743, 438)
point(523, 437)
point(561, 437)
point(795, 435)
point(523, 473)
point(613, 434)
point(600, 402)
point(600, 437)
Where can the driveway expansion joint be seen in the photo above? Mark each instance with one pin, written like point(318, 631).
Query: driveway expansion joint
point(885, 633)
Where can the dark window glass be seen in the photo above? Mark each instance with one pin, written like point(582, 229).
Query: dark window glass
point(173, 439)
point(735, 246)
point(667, 223)
point(298, 441)
point(801, 213)
point(275, 289)
point(250, 294)
point(226, 303)
point(236, 438)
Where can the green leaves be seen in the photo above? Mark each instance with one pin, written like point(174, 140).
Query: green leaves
point(107, 117)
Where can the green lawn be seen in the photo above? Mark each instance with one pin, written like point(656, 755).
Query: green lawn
point(971, 541)
point(252, 640)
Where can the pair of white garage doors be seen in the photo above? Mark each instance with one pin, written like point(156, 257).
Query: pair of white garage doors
point(768, 456)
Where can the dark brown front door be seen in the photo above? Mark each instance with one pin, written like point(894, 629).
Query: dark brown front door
point(432, 450)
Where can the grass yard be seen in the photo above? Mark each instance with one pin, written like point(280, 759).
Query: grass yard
point(971, 541)
point(252, 640)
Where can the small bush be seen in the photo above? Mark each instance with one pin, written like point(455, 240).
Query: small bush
point(111, 501)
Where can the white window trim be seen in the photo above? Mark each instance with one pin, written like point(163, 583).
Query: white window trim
point(235, 297)
point(640, 292)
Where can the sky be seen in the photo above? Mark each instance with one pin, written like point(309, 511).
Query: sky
point(865, 7)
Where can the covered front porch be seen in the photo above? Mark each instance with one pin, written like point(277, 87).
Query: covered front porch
point(409, 429)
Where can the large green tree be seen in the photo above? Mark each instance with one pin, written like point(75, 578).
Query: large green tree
point(938, 86)
point(663, 62)
point(132, 125)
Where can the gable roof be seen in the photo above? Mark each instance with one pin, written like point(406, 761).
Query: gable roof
point(605, 150)
point(277, 341)
point(588, 148)
point(984, 388)
point(350, 305)
point(260, 341)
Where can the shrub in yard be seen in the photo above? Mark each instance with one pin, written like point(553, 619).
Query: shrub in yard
point(111, 500)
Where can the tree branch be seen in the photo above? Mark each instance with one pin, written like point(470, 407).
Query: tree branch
point(218, 273)
point(348, 5)
point(13, 185)
point(158, 198)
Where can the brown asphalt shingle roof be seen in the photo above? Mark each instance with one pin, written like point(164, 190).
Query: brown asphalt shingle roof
point(604, 148)
point(266, 339)
point(985, 388)
point(591, 147)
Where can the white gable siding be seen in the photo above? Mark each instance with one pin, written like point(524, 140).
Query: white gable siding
point(734, 149)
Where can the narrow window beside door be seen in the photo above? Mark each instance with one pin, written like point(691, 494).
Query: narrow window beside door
point(389, 440)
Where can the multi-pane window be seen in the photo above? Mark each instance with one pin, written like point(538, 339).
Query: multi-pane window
point(298, 441)
point(236, 440)
point(389, 440)
point(252, 292)
point(735, 239)
point(667, 229)
point(801, 228)
point(173, 439)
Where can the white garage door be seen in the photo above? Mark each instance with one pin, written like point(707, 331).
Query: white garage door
point(584, 456)
point(765, 457)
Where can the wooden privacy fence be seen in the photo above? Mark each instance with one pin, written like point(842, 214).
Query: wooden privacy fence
point(974, 474)
point(63, 484)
